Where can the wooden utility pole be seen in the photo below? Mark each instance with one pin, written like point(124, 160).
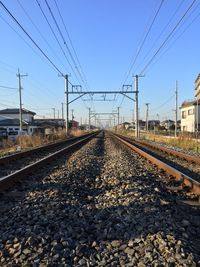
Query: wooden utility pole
point(20, 99)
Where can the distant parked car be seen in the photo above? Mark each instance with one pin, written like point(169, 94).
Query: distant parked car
point(12, 135)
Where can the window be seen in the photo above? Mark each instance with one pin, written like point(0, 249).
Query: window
point(183, 114)
point(10, 129)
point(16, 129)
point(190, 111)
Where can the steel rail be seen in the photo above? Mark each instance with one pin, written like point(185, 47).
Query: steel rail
point(25, 153)
point(178, 175)
point(9, 180)
point(164, 149)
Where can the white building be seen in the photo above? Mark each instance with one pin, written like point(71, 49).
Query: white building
point(189, 116)
point(9, 120)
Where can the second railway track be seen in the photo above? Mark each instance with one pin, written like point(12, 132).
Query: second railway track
point(184, 168)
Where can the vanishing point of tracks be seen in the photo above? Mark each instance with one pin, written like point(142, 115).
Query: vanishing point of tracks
point(98, 206)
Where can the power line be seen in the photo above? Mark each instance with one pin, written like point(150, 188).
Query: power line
point(65, 43)
point(28, 35)
point(71, 42)
point(167, 38)
point(8, 87)
point(163, 30)
point(142, 45)
point(38, 30)
point(144, 40)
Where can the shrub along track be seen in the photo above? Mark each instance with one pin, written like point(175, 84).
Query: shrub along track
point(104, 207)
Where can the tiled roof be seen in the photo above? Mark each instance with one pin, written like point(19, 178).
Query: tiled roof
point(16, 111)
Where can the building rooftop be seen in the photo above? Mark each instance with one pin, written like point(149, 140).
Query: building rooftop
point(16, 111)
point(190, 103)
point(12, 122)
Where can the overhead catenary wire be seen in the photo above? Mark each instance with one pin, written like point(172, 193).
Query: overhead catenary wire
point(167, 38)
point(65, 43)
point(162, 31)
point(144, 40)
point(40, 33)
point(141, 46)
point(71, 43)
point(29, 36)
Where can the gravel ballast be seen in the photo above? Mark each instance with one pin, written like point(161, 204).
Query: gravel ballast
point(103, 207)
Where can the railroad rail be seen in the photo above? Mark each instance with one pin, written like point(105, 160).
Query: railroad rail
point(9, 180)
point(166, 150)
point(184, 179)
point(22, 154)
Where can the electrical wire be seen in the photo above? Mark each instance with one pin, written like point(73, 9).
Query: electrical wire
point(29, 36)
point(8, 87)
point(167, 38)
point(64, 25)
point(141, 46)
point(144, 40)
point(40, 33)
point(162, 31)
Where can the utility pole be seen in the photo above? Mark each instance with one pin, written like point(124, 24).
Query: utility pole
point(72, 116)
point(136, 106)
point(67, 104)
point(54, 113)
point(176, 109)
point(147, 117)
point(62, 112)
point(118, 118)
point(89, 118)
point(20, 99)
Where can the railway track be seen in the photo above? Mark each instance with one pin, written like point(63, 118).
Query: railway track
point(186, 170)
point(18, 165)
point(105, 206)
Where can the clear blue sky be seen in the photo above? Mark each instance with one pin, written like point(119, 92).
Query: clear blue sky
point(106, 35)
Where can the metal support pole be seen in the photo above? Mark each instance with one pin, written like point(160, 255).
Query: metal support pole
point(89, 119)
point(147, 117)
point(20, 99)
point(136, 108)
point(118, 118)
point(54, 113)
point(67, 104)
point(176, 109)
point(20, 103)
point(62, 110)
point(72, 117)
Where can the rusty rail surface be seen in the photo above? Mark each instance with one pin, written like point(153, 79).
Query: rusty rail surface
point(18, 155)
point(178, 175)
point(9, 180)
point(164, 149)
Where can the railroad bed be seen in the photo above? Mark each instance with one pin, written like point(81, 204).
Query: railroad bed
point(104, 206)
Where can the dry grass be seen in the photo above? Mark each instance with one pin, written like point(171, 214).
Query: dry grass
point(77, 132)
point(183, 141)
point(27, 142)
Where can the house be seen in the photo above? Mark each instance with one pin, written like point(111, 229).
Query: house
point(9, 120)
point(167, 124)
point(189, 118)
point(73, 124)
